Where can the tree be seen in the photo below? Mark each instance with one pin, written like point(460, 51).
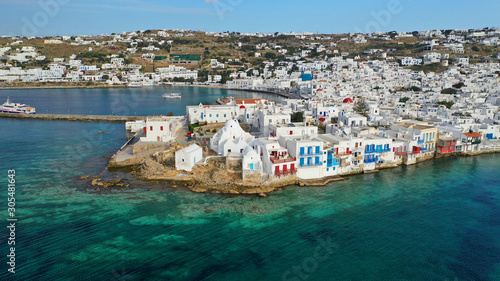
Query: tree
point(404, 100)
point(448, 104)
point(270, 55)
point(298, 116)
point(361, 107)
point(449, 91)
point(105, 77)
point(475, 48)
point(170, 113)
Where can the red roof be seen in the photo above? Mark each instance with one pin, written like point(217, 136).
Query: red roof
point(240, 101)
point(348, 100)
point(319, 90)
point(322, 119)
point(475, 134)
point(242, 106)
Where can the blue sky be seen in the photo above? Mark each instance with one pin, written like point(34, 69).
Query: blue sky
point(72, 17)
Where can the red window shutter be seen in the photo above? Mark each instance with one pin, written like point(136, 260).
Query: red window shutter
point(161, 128)
point(151, 128)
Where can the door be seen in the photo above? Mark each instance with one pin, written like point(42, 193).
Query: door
point(301, 151)
point(277, 170)
point(202, 116)
point(251, 166)
point(301, 162)
point(284, 169)
point(292, 167)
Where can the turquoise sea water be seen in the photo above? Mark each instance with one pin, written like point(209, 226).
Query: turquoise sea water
point(438, 220)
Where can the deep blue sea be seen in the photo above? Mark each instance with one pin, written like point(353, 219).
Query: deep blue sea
point(438, 220)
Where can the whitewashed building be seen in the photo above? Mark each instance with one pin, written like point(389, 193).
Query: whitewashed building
point(187, 157)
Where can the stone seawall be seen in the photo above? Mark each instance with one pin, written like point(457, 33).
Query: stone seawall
point(70, 117)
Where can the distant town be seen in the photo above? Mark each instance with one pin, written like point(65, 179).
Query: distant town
point(255, 61)
point(355, 102)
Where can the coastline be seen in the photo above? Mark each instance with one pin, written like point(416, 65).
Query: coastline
point(104, 86)
point(221, 179)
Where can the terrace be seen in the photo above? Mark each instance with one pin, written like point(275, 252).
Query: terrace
point(286, 172)
point(275, 160)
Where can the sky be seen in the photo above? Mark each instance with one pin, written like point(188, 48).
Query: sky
point(93, 17)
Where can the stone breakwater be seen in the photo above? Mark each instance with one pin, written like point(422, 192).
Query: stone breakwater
point(70, 117)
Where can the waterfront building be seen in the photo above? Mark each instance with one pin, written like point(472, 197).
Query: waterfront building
point(161, 129)
point(187, 157)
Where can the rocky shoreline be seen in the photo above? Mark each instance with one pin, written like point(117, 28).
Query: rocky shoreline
point(215, 176)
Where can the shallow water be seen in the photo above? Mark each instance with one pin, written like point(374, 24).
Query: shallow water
point(438, 220)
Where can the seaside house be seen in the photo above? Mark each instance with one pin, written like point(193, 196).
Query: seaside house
point(309, 154)
point(187, 157)
point(276, 160)
point(161, 129)
point(210, 113)
point(471, 141)
point(252, 167)
point(378, 150)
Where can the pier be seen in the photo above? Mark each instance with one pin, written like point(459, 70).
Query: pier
point(70, 117)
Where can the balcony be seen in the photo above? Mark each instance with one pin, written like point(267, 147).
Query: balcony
point(371, 160)
point(476, 141)
point(344, 153)
point(423, 149)
point(311, 153)
point(444, 151)
point(399, 153)
point(287, 172)
point(311, 164)
point(284, 160)
point(420, 141)
point(332, 163)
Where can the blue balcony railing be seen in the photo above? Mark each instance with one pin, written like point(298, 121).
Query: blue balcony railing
point(311, 153)
point(377, 150)
point(332, 163)
point(423, 149)
point(310, 164)
point(420, 141)
point(371, 160)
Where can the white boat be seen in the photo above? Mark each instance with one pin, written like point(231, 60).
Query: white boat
point(10, 107)
point(134, 85)
point(172, 96)
point(225, 100)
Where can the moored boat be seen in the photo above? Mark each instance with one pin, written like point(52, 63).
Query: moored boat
point(11, 107)
point(172, 96)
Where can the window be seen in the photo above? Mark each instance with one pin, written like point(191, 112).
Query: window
point(210, 115)
point(161, 128)
point(224, 115)
point(217, 115)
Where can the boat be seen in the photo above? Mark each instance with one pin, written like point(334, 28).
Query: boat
point(134, 85)
point(172, 96)
point(10, 107)
point(225, 100)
